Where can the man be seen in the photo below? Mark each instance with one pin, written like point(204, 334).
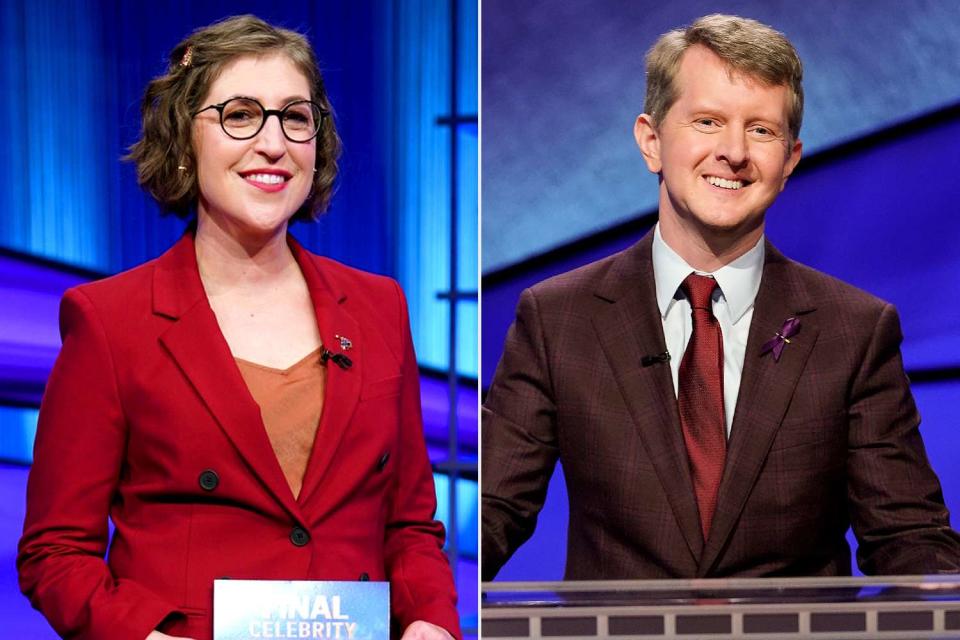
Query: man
point(719, 410)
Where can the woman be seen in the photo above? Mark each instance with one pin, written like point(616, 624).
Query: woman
point(239, 407)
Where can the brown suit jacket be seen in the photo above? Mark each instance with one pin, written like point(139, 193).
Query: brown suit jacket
point(825, 437)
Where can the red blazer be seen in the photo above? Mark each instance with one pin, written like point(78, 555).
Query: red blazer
point(147, 419)
point(823, 438)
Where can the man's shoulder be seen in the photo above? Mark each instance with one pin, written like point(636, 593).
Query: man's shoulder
point(582, 278)
point(593, 278)
point(832, 294)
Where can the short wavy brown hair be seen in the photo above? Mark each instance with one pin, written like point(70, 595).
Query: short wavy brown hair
point(746, 46)
point(171, 99)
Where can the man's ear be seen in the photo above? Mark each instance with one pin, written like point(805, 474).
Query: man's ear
point(645, 133)
point(795, 152)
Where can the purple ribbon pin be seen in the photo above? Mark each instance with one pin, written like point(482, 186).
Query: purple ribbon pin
point(776, 344)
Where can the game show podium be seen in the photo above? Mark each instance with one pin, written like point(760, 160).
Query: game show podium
point(911, 607)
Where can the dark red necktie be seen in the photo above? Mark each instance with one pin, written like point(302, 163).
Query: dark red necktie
point(700, 397)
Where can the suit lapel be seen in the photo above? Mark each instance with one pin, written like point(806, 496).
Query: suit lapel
point(766, 388)
point(196, 344)
point(628, 328)
point(343, 385)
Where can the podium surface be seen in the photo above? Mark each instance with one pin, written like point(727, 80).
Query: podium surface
point(912, 607)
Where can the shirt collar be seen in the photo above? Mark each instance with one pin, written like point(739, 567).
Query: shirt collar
point(739, 281)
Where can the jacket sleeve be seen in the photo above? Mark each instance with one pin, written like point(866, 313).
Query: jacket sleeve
point(897, 508)
point(421, 583)
point(78, 459)
point(519, 449)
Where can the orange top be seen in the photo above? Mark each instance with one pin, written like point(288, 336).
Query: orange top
point(291, 401)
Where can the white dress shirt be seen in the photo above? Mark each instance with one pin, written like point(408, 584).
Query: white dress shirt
point(732, 305)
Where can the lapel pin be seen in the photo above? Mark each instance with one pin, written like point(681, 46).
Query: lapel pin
point(791, 326)
point(345, 343)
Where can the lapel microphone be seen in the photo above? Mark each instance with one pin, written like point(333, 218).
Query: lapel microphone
point(647, 361)
point(339, 359)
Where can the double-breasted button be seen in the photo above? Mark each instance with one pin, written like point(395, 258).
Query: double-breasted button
point(209, 480)
point(382, 462)
point(364, 577)
point(299, 536)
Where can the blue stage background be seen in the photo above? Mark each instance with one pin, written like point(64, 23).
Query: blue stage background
point(564, 81)
point(873, 202)
point(72, 73)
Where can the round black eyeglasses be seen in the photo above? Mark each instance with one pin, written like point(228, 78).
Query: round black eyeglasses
point(243, 118)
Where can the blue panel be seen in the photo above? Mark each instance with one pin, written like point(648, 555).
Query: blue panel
point(467, 239)
point(29, 337)
point(422, 181)
point(20, 621)
point(938, 404)
point(544, 554)
point(468, 596)
point(466, 511)
point(435, 402)
point(55, 109)
point(18, 428)
point(938, 408)
point(467, 34)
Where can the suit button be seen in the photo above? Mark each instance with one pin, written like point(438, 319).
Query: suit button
point(364, 577)
point(209, 480)
point(299, 536)
point(382, 462)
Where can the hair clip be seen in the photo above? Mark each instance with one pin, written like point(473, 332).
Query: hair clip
point(187, 57)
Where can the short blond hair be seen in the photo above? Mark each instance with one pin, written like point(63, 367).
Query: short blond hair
point(747, 46)
point(171, 100)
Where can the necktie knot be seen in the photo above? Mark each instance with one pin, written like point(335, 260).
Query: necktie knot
point(699, 291)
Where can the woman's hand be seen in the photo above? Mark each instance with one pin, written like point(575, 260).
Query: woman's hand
point(156, 635)
point(421, 630)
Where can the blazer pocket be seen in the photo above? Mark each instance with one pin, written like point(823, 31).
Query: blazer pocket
point(381, 388)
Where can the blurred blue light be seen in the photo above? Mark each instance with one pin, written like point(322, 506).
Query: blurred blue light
point(467, 524)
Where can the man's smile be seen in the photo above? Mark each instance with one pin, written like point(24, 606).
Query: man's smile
point(725, 183)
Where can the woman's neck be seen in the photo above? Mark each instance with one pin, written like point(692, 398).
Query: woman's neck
point(229, 260)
